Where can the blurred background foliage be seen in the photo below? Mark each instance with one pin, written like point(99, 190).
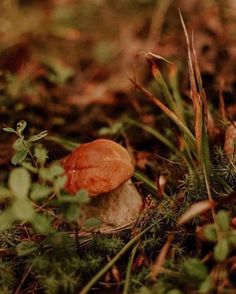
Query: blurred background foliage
point(69, 60)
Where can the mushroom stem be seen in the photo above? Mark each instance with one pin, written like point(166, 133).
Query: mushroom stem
point(116, 208)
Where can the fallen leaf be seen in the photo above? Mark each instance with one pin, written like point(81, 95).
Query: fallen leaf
point(194, 210)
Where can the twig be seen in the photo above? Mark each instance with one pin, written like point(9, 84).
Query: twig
point(23, 279)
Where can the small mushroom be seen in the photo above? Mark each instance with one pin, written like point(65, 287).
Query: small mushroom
point(104, 169)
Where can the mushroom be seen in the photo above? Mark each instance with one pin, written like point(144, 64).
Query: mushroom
point(104, 169)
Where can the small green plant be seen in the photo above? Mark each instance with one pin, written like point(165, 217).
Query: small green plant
point(34, 182)
point(222, 235)
point(57, 73)
point(22, 146)
point(21, 208)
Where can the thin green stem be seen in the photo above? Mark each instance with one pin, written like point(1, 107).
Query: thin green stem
point(218, 232)
point(67, 144)
point(189, 136)
point(149, 183)
point(31, 155)
point(157, 135)
point(128, 272)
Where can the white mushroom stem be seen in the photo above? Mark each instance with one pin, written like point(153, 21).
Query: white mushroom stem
point(116, 208)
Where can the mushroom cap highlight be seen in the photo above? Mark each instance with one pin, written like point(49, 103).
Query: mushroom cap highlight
point(99, 167)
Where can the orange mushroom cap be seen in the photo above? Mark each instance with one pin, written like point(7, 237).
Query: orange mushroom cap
point(99, 167)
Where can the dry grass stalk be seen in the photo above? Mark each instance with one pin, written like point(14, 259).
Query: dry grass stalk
point(157, 266)
point(230, 140)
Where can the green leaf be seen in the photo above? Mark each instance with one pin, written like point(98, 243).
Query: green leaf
point(92, 222)
point(20, 144)
point(21, 125)
point(39, 191)
point(23, 210)
point(26, 247)
point(210, 232)
point(29, 167)
point(232, 238)
point(6, 219)
point(52, 172)
point(56, 170)
point(59, 183)
point(9, 130)
point(82, 196)
point(221, 250)
point(19, 157)
point(41, 224)
point(72, 212)
point(38, 136)
point(195, 269)
point(67, 198)
point(41, 155)
point(19, 182)
point(206, 286)
point(223, 220)
point(4, 193)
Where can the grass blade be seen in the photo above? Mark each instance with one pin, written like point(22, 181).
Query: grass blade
point(129, 267)
point(163, 87)
point(189, 136)
point(174, 82)
point(199, 103)
point(150, 185)
point(67, 144)
point(186, 157)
